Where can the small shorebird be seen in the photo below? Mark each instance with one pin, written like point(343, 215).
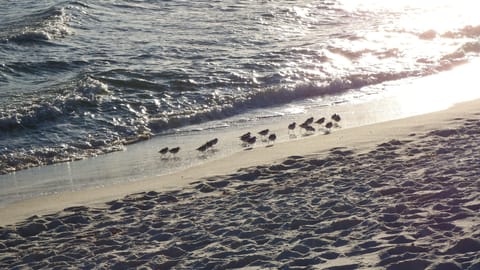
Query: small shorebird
point(310, 129)
point(264, 132)
point(211, 143)
point(163, 151)
point(272, 137)
point(309, 121)
point(203, 147)
point(291, 127)
point(245, 137)
point(336, 117)
point(251, 140)
point(303, 125)
point(329, 125)
point(320, 121)
point(174, 150)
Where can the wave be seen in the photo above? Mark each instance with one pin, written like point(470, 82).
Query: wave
point(61, 103)
point(39, 26)
point(217, 107)
point(40, 67)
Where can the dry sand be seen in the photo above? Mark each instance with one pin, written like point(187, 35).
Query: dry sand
point(402, 194)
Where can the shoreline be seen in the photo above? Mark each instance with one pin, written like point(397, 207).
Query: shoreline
point(142, 161)
point(357, 139)
point(394, 195)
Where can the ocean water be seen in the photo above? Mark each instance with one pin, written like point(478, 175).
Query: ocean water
point(83, 78)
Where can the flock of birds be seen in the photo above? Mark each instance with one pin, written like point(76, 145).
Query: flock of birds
point(248, 140)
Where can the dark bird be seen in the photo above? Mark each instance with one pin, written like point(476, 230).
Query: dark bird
point(320, 121)
point(272, 137)
point(310, 129)
point(336, 117)
point(304, 125)
point(309, 121)
point(291, 126)
point(203, 148)
point(252, 140)
point(245, 137)
point(163, 151)
point(264, 132)
point(211, 143)
point(329, 125)
point(174, 150)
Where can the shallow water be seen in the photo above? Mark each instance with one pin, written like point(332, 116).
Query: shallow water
point(140, 161)
point(82, 78)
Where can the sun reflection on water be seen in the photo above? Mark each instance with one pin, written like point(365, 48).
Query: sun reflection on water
point(440, 16)
point(436, 92)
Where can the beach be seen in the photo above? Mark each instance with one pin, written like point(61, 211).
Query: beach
point(401, 194)
point(120, 127)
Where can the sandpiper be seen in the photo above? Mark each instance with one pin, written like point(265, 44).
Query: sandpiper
point(163, 151)
point(174, 150)
point(320, 121)
point(203, 147)
point(251, 140)
point(310, 129)
point(264, 132)
point(329, 125)
point(336, 117)
point(245, 137)
point(211, 143)
point(309, 121)
point(304, 125)
point(291, 127)
point(272, 137)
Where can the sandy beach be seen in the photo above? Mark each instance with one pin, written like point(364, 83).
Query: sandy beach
point(401, 194)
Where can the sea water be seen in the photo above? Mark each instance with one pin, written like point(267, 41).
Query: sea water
point(79, 79)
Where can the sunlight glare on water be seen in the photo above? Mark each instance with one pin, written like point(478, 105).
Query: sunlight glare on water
point(427, 15)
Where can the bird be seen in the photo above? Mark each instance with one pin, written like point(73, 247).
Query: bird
point(309, 121)
point(307, 127)
point(272, 137)
point(310, 129)
point(329, 125)
point(304, 125)
point(174, 150)
point(291, 127)
point(245, 137)
point(211, 143)
point(320, 121)
point(251, 140)
point(163, 151)
point(264, 132)
point(336, 117)
point(203, 147)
